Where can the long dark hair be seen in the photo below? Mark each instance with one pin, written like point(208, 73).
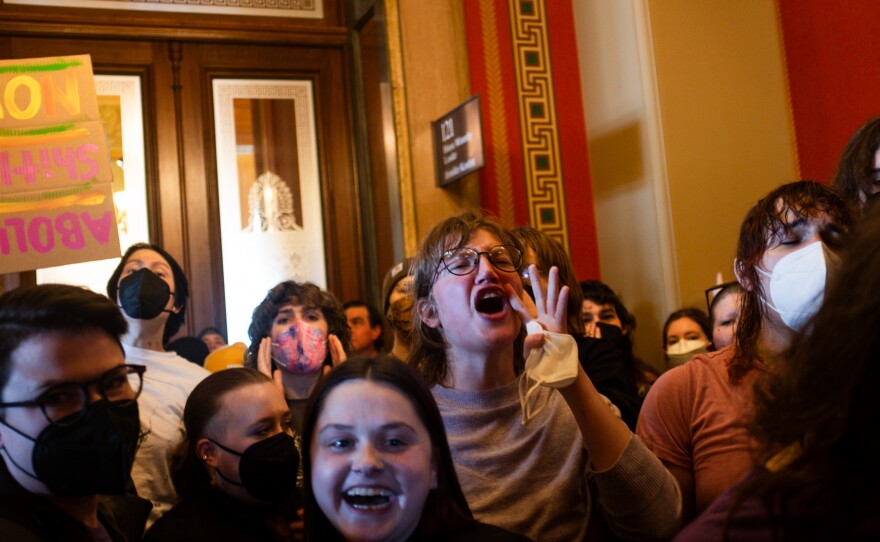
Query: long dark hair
point(855, 172)
point(823, 405)
point(428, 353)
point(295, 293)
point(181, 286)
point(761, 230)
point(446, 510)
point(188, 472)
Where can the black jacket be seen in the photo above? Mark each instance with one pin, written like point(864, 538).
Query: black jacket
point(27, 517)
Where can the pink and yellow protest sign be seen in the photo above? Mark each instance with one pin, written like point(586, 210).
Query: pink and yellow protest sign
point(56, 205)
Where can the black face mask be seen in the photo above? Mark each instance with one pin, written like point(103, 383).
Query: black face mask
point(267, 468)
point(143, 295)
point(92, 456)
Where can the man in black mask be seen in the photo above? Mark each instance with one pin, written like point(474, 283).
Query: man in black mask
point(152, 291)
point(69, 424)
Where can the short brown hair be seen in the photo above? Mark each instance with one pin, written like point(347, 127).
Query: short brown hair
point(428, 355)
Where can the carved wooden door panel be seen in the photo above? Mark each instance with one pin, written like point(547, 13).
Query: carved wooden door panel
point(177, 81)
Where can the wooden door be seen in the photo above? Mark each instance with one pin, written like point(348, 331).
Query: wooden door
point(176, 79)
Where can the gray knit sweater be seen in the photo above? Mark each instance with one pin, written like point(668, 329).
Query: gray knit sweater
point(532, 479)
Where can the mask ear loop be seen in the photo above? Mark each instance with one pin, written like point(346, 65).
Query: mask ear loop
point(526, 392)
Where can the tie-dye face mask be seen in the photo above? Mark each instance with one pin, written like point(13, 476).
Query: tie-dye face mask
point(300, 349)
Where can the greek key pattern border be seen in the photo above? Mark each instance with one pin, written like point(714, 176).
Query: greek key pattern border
point(545, 192)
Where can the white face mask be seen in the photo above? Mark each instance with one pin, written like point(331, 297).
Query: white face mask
point(682, 351)
point(797, 283)
point(554, 365)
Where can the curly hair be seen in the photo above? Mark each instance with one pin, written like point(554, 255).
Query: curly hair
point(428, 354)
point(691, 313)
point(295, 293)
point(823, 405)
point(763, 229)
point(855, 172)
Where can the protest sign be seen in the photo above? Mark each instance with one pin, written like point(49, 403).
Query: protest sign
point(56, 204)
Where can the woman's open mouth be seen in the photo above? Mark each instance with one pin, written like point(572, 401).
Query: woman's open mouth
point(490, 302)
point(368, 498)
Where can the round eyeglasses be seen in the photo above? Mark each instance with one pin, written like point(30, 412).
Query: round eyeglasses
point(63, 404)
point(463, 260)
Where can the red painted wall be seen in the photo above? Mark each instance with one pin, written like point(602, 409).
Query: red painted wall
point(583, 242)
point(834, 76)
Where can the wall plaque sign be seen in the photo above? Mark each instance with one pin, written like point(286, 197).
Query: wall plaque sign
point(458, 142)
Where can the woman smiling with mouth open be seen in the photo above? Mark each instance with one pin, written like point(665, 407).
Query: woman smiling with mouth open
point(535, 471)
point(376, 463)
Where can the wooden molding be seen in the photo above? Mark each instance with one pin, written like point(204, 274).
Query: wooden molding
point(99, 23)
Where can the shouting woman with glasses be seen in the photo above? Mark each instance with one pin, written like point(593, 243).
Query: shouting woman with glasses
point(524, 452)
point(69, 423)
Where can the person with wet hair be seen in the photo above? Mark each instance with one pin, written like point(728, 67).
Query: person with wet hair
point(858, 172)
point(298, 333)
point(69, 425)
point(694, 418)
point(152, 290)
point(814, 423)
point(534, 443)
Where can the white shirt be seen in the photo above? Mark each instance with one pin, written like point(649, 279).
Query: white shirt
point(168, 381)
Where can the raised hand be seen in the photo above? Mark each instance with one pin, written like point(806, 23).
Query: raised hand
point(264, 362)
point(337, 352)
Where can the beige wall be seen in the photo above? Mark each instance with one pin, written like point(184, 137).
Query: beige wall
point(687, 122)
point(435, 75)
point(726, 125)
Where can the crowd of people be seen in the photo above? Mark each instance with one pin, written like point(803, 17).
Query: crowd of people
point(508, 405)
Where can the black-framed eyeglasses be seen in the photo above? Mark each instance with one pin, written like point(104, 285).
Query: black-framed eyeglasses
point(63, 404)
point(463, 260)
point(713, 291)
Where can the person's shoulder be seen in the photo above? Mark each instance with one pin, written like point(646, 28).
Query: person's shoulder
point(698, 367)
point(125, 515)
point(185, 519)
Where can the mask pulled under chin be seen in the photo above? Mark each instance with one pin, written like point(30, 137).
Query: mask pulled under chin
point(682, 351)
point(554, 365)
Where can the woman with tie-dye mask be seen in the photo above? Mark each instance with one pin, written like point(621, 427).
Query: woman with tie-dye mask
point(297, 332)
